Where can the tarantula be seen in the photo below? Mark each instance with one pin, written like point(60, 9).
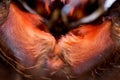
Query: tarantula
point(59, 39)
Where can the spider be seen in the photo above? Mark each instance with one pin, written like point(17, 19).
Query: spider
point(59, 39)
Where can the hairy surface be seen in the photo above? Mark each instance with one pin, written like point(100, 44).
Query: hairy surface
point(32, 49)
point(34, 52)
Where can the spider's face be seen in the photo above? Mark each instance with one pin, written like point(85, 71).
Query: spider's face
point(65, 40)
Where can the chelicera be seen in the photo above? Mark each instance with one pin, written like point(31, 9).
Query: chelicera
point(58, 39)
